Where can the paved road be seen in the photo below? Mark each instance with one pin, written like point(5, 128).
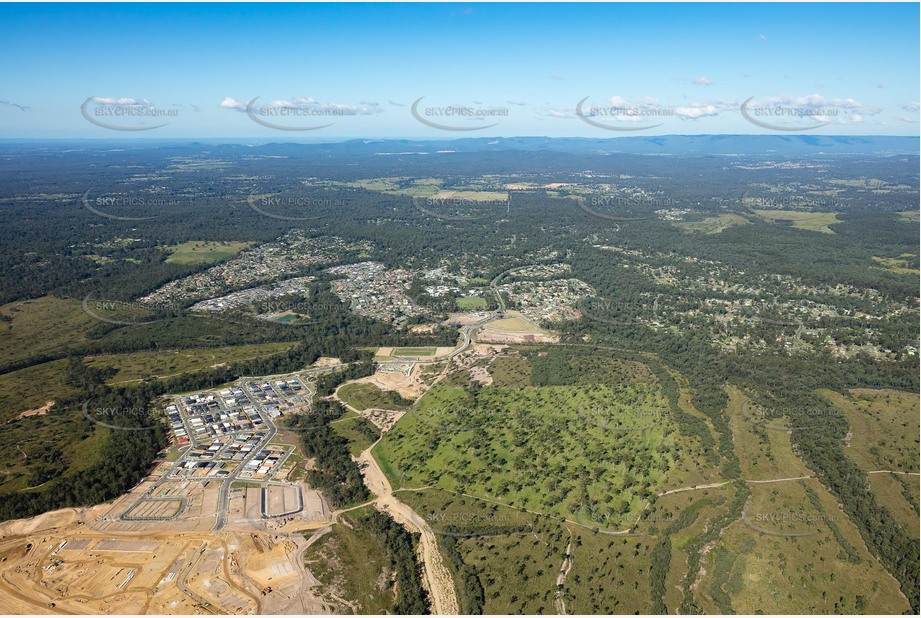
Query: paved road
point(223, 494)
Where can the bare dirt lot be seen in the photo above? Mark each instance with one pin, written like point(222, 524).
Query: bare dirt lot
point(37, 411)
point(407, 386)
point(95, 561)
point(60, 562)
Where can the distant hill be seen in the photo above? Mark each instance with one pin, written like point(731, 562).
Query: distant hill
point(704, 145)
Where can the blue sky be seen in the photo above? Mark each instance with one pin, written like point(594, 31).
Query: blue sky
point(229, 70)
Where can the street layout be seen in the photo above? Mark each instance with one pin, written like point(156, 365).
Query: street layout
point(263, 432)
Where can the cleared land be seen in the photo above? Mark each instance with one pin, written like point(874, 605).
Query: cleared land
point(138, 365)
point(363, 396)
point(899, 265)
point(204, 252)
point(883, 440)
point(884, 428)
point(597, 451)
point(37, 448)
point(413, 351)
point(42, 326)
point(352, 569)
point(513, 325)
point(810, 221)
point(473, 303)
point(712, 225)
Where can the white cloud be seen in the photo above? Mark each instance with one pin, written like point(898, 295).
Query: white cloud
point(813, 101)
point(231, 103)
point(123, 102)
point(703, 81)
point(693, 112)
point(650, 109)
point(340, 109)
point(911, 107)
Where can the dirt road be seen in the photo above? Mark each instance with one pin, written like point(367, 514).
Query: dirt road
point(561, 579)
point(437, 577)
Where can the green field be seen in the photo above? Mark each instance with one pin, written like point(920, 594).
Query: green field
point(810, 221)
point(510, 370)
point(471, 303)
point(350, 564)
point(364, 396)
point(40, 326)
point(817, 564)
point(884, 425)
point(890, 489)
point(763, 453)
point(135, 366)
point(712, 225)
point(584, 453)
point(39, 448)
point(513, 555)
point(32, 388)
point(899, 265)
point(473, 196)
point(512, 325)
point(792, 548)
point(24, 443)
point(414, 351)
point(360, 432)
point(204, 252)
point(513, 473)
